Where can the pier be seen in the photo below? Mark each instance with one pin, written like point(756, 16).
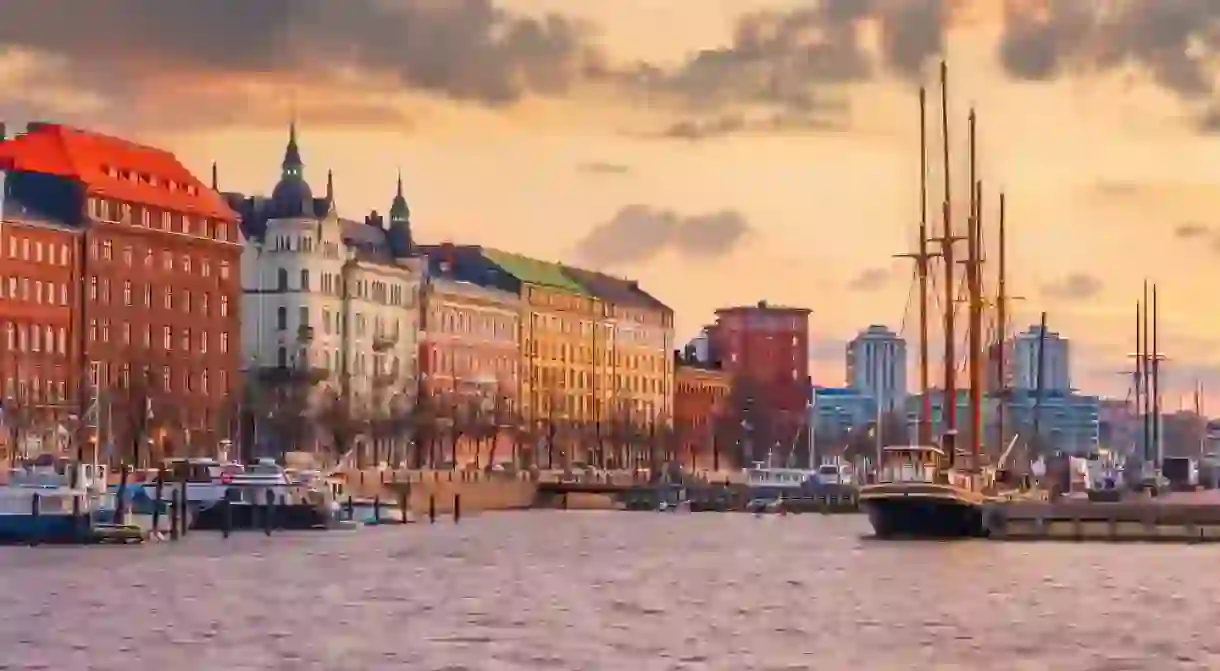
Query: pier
point(1183, 518)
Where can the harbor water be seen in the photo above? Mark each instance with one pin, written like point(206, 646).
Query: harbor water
point(602, 591)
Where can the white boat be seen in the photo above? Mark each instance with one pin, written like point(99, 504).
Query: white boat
point(769, 481)
point(40, 501)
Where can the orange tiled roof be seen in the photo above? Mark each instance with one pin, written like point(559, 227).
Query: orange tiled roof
point(103, 164)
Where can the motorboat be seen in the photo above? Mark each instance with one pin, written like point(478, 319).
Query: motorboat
point(51, 500)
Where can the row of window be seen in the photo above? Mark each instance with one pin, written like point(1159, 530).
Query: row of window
point(99, 291)
point(570, 405)
point(468, 365)
point(375, 291)
point(183, 340)
point(36, 338)
point(453, 321)
point(35, 291)
point(164, 220)
point(27, 249)
point(288, 243)
point(332, 322)
point(202, 382)
point(361, 365)
point(549, 352)
point(35, 389)
point(104, 250)
point(566, 378)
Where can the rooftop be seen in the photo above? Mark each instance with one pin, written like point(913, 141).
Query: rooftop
point(764, 306)
point(112, 167)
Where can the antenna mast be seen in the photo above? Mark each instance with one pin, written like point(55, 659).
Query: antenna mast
point(975, 297)
point(1002, 328)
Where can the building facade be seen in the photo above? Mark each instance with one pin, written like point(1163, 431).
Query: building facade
point(877, 366)
point(470, 363)
point(38, 295)
point(701, 392)
point(332, 306)
point(159, 272)
point(765, 350)
point(1021, 356)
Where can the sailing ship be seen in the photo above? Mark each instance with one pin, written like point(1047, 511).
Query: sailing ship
point(928, 490)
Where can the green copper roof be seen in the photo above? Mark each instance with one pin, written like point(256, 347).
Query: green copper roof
point(533, 271)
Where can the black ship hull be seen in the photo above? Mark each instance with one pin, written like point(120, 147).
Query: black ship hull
point(928, 511)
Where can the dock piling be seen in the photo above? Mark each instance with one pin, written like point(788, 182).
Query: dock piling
point(158, 496)
point(377, 509)
point(351, 508)
point(268, 511)
point(36, 511)
point(432, 509)
point(227, 520)
point(403, 501)
point(176, 497)
point(457, 508)
point(120, 505)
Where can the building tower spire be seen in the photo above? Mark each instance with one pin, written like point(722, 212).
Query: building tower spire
point(292, 165)
point(399, 237)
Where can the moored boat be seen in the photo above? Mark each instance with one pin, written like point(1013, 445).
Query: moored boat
point(917, 495)
point(45, 501)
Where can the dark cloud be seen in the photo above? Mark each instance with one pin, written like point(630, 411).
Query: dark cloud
point(738, 124)
point(639, 232)
point(1076, 286)
point(604, 168)
point(1173, 41)
point(871, 279)
point(1192, 230)
point(467, 50)
point(780, 57)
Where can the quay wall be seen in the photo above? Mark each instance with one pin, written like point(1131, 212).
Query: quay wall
point(478, 491)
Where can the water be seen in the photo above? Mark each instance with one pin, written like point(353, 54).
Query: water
point(608, 591)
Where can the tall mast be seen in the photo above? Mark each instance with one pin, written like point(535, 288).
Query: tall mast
point(1155, 396)
point(1002, 329)
point(1145, 382)
point(947, 241)
point(921, 257)
point(974, 296)
point(1137, 382)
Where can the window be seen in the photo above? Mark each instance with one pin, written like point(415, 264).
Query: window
point(147, 295)
point(126, 292)
point(126, 333)
point(62, 337)
point(148, 258)
point(92, 330)
point(303, 317)
point(304, 280)
point(224, 343)
point(167, 338)
point(224, 270)
point(203, 342)
point(205, 268)
point(186, 264)
point(186, 340)
point(281, 280)
point(165, 379)
point(203, 381)
point(105, 330)
point(281, 319)
point(224, 306)
point(169, 298)
point(63, 294)
point(107, 250)
point(127, 255)
point(167, 259)
point(203, 304)
point(93, 288)
point(186, 300)
point(147, 339)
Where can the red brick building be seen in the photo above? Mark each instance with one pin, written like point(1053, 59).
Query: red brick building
point(701, 393)
point(37, 295)
point(157, 317)
point(765, 350)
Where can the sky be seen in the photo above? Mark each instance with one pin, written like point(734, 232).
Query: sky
point(720, 151)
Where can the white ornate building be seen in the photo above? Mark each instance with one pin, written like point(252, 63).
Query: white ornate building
point(334, 297)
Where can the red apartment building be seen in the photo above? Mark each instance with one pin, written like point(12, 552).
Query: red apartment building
point(701, 392)
point(37, 292)
point(765, 351)
point(156, 313)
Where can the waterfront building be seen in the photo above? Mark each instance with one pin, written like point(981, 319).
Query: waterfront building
point(1021, 362)
point(38, 293)
point(1067, 421)
point(837, 413)
point(470, 359)
point(877, 366)
point(765, 349)
point(157, 261)
point(331, 304)
point(701, 392)
point(589, 349)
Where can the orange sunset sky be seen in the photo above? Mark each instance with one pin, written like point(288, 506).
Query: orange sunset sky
point(721, 151)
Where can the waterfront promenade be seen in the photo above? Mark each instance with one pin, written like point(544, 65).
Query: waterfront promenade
point(523, 591)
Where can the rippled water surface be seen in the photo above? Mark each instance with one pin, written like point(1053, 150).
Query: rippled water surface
point(606, 591)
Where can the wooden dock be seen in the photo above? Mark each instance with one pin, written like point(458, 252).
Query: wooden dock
point(1180, 518)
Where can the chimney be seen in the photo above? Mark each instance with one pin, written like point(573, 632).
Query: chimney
point(215, 180)
point(3, 132)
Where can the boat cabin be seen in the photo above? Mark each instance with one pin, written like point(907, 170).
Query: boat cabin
point(779, 478)
point(911, 463)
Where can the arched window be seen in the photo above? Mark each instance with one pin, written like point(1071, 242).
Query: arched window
point(281, 318)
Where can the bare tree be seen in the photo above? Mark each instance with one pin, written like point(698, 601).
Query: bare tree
point(345, 420)
point(18, 419)
point(279, 404)
point(501, 419)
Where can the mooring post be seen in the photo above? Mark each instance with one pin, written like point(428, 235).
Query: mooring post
point(227, 522)
point(403, 501)
point(268, 511)
point(120, 504)
point(175, 501)
point(457, 508)
point(184, 524)
point(377, 509)
point(159, 500)
point(36, 512)
point(78, 523)
point(432, 508)
point(351, 508)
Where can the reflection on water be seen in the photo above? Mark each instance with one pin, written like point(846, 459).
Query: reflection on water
point(607, 591)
